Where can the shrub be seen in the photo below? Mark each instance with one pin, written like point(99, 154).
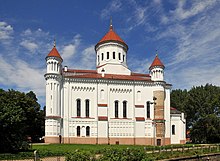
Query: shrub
point(123, 155)
point(79, 156)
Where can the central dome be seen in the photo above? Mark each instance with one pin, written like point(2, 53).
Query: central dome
point(111, 36)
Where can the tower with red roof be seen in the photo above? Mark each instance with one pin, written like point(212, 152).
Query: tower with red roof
point(111, 54)
point(157, 70)
point(53, 93)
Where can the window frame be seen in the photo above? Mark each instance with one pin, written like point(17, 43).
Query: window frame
point(173, 130)
point(116, 108)
point(87, 102)
point(124, 109)
point(78, 131)
point(148, 109)
point(78, 107)
point(87, 131)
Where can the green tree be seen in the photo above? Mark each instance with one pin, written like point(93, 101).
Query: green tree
point(179, 99)
point(198, 103)
point(20, 117)
point(206, 130)
point(202, 101)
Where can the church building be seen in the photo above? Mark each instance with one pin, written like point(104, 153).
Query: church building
point(111, 104)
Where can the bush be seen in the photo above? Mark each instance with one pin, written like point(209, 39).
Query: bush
point(123, 155)
point(79, 156)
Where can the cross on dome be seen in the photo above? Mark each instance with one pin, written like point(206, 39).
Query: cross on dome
point(111, 36)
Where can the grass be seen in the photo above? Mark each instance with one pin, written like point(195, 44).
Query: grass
point(45, 150)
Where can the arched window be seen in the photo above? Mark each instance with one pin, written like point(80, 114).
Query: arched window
point(119, 56)
point(78, 107)
point(113, 55)
point(148, 109)
point(116, 109)
point(78, 131)
point(102, 94)
point(124, 109)
point(107, 55)
point(173, 129)
point(138, 95)
point(102, 56)
point(87, 131)
point(87, 108)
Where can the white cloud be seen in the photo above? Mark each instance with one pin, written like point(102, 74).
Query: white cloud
point(21, 75)
point(6, 32)
point(113, 6)
point(196, 7)
point(69, 50)
point(88, 58)
point(31, 46)
point(137, 65)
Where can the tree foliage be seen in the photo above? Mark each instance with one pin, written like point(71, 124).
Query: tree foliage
point(20, 118)
point(198, 103)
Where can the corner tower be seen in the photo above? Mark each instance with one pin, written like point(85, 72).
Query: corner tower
point(53, 96)
point(111, 54)
point(157, 70)
point(160, 107)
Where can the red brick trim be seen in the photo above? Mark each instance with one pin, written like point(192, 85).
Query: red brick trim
point(139, 106)
point(140, 118)
point(83, 117)
point(103, 105)
point(124, 118)
point(53, 117)
point(103, 118)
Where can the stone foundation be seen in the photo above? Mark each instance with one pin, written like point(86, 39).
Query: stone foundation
point(182, 141)
point(52, 139)
point(121, 141)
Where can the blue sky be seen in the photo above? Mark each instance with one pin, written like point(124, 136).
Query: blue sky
point(185, 33)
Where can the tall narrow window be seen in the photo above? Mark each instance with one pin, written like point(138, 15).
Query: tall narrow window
point(113, 55)
point(98, 58)
point(87, 108)
point(173, 129)
point(148, 109)
point(116, 109)
point(78, 131)
point(124, 109)
point(119, 56)
point(78, 107)
point(138, 95)
point(102, 56)
point(123, 58)
point(87, 131)
point(107, 55)
point(102, 94)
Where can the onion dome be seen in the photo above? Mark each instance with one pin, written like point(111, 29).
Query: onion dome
point(111, 36)
point(157, 63)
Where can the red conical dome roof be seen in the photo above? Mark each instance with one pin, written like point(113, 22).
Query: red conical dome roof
point(157, 62)
point(54, 53)
point(111, 35)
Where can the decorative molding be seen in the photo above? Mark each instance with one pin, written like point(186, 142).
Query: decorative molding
point(53, 117)
point(139, 106)
point(140, 118)
point(78, 88)
point(120, 90)
point(102, 118)
point(102, 105)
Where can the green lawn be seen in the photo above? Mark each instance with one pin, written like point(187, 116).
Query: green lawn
point(45, 150)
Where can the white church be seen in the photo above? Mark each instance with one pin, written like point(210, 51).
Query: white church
point(111, 104)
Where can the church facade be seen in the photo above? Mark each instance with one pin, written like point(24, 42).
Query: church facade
point(112, 104)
